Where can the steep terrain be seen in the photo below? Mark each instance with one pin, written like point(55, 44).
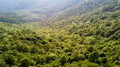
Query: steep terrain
point(68, 33)
point(88, 11)
point(54, 11)
point(33, 10)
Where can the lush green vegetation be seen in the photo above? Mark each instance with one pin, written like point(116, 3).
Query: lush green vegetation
point(84, 44)
point(84, 37)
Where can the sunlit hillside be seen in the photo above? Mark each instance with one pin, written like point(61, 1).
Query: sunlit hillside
point(60, 33)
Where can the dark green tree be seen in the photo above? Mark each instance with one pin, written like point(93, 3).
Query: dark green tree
point(25, 62)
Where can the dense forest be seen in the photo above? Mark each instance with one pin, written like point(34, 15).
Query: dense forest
point(80, 33)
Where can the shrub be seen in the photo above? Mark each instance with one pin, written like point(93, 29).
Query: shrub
point(50, 57)
point(115, 57)
point(4, 48)
point(2, 63)
point(22, 48)
point(108, 24)
point(25, 62)
point(117, 62)
point(32, 63)
point(63, 60)
point(102, 60)
point(46, 47)
point(40, 60)
point(90, 49)
point(55, 64)
point(89, 64)
point(68, 50)
point(93, 57)
point(78, 57)
point(107, 49)
point(9, 59)
point(34, 49)
point(101, 54)
point(89, 41)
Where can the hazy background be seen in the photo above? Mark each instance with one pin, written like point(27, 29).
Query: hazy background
point(10, 5)
point(50, 10)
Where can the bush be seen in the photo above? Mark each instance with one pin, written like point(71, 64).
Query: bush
point(25, 62)
point(89, 41)
point(102, 54)
point(50, 57)
point(90, 49)
point(117, 62)
point(63, 60)
point(108, 24)
point(55, 64)
point(78, 57)
point(34, 49)
point(89, 64)
point(22, 48)
point(46, 47)
point(2, 63)
point(32, 63)
point(9, 59)
point(40, 60)
point(4, 48)
point(93, 57)
point(102, 60)
point(115, 57)
point(68, 50)
point(107, 49)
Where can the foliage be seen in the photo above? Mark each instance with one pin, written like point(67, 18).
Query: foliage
point(89, 40)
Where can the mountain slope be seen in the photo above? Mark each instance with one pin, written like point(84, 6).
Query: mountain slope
point(84, 44)
point(76, 33)
point(87, 6)
point(41, 8)
point(54, 11)
point(88, 11)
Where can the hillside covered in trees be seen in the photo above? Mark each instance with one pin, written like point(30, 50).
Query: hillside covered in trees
point(68, 33)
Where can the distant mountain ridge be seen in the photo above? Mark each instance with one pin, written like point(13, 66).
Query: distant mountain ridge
point(47, 10)
point(11, 5)
point(27, 10)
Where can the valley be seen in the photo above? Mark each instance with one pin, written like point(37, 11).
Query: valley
point(68, 33)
